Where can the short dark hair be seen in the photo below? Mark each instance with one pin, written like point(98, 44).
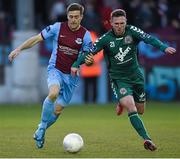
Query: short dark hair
point(118, 13)
point(74, 7)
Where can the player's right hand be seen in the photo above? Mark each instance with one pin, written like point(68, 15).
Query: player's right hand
point(13, 54)
point(89, 60)
point(170, 50)
point(74, 71)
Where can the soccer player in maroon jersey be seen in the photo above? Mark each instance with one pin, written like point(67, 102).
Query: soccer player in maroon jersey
point(70, 39)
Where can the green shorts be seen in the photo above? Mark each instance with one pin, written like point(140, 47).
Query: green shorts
point(122, 88)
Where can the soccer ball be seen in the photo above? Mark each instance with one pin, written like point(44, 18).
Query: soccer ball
point(73, 143)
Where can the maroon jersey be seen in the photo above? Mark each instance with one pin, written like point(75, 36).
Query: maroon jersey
point(67, 45)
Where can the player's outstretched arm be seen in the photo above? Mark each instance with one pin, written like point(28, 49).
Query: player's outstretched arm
point(170, 50)
point(27, 44)
point(141, 35)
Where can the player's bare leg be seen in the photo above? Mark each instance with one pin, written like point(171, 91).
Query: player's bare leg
point(128, 103)
point(140, 108)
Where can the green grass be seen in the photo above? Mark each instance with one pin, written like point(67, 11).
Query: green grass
point(104, 133)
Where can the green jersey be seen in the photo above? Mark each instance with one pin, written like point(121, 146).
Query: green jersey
point(120, 52)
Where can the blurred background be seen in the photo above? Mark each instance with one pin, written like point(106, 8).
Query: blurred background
point(24, 80)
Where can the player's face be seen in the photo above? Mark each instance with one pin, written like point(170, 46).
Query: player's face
point(118, 24)
point(74, 20)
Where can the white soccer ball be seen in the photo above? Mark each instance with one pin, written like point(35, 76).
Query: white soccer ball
point(73, 143)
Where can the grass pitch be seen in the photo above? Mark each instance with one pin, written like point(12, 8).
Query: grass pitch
point(104, 133)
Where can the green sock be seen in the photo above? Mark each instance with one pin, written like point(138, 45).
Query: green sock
point(137, 123)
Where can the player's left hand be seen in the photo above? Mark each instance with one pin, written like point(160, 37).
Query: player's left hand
point(74, 71)
point(170, 50)
point(14, 54)
point(89, 60)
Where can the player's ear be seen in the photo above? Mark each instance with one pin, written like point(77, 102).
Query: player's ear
point(81, 17)
point(111, 21)
point(126, 20)
point(67, 16)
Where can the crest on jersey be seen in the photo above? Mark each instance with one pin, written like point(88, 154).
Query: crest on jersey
point(78, 41)
point(123, 91)
point(128, 39)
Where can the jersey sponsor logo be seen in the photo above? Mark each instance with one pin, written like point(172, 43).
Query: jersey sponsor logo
point(128, 39)
point(78, 41)
point(67, 50)
point(125, 61)
point(123, 91)
point(112, 44)
point(121, 54)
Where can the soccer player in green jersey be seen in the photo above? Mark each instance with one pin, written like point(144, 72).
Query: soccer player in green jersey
point(127, 81)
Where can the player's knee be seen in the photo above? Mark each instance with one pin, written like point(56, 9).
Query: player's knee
point(58, 110)
point(130, 107)
point(128, 103)
point(53, 96)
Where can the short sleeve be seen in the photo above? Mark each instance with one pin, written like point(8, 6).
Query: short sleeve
point(87, 42)
point(50, 31)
